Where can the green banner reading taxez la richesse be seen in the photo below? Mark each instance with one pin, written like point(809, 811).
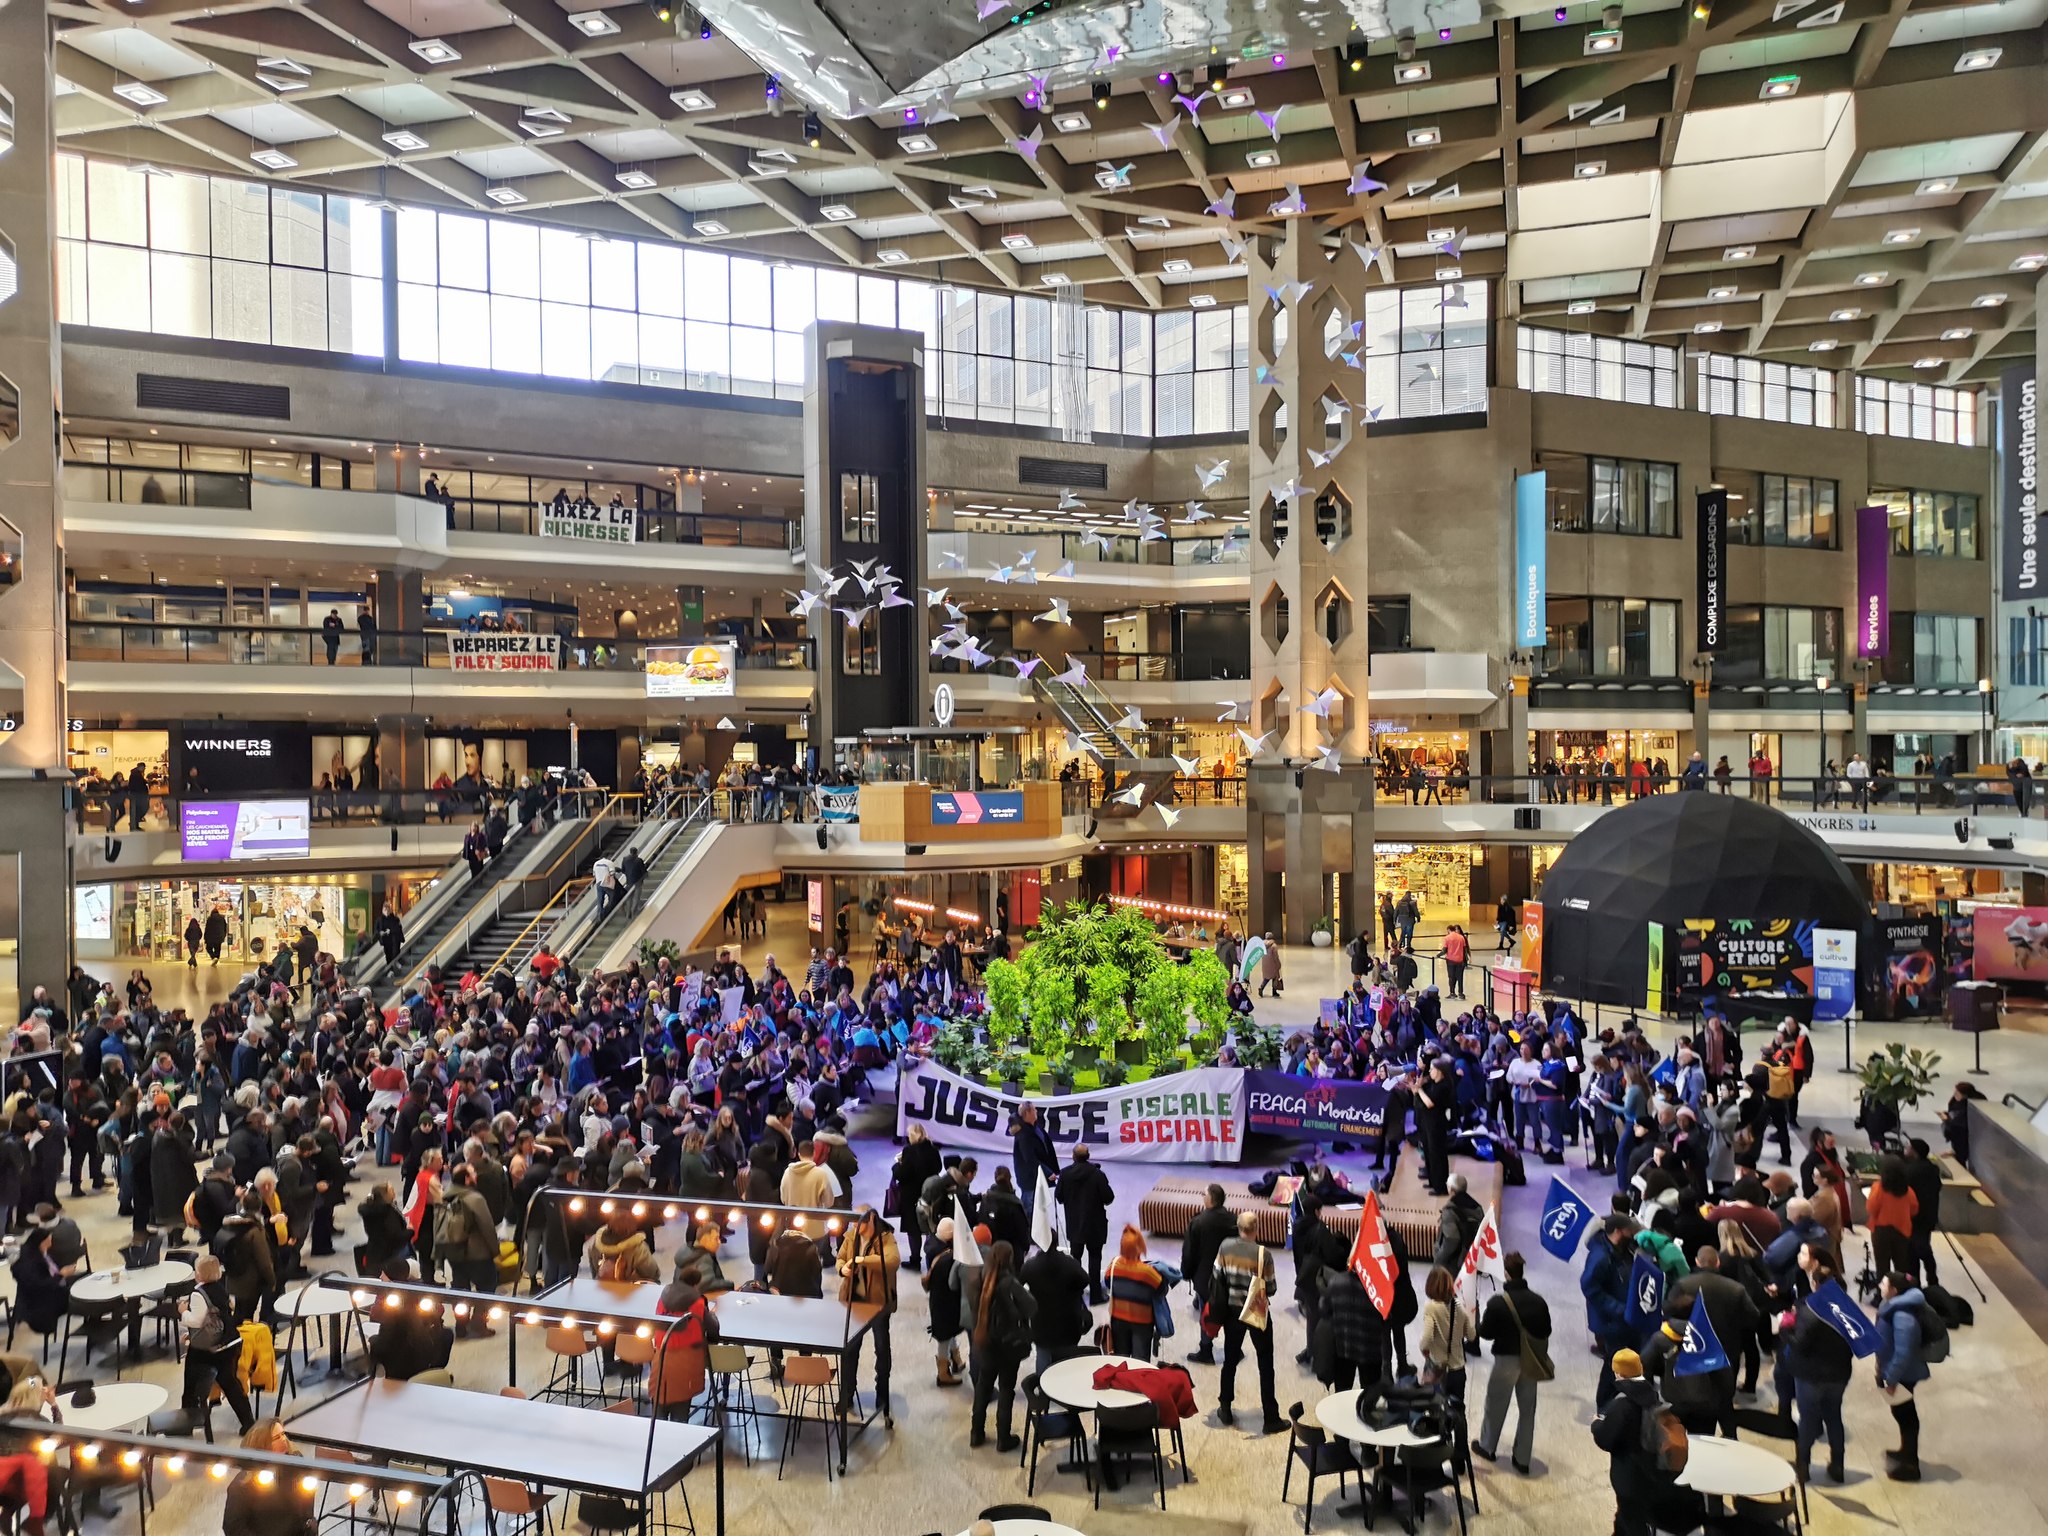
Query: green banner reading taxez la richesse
point(1184, 1117)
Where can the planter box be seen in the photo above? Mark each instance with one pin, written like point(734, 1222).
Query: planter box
point(1011, 1086)
point(1055, 1086)
point(1320, 938)
point(1131, 1052)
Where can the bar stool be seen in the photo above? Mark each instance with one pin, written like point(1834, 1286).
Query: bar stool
point(806, 1379)
point(689, 1515)
point(631, 1349)
point(731, 1367)
point(570, 1347)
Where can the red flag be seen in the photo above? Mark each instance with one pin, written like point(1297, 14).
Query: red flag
point(1372, 1256)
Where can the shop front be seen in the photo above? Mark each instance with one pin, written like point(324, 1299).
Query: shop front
point(144, 920)
point(1580, 750)
point(1438, 875)
point(1923, 885)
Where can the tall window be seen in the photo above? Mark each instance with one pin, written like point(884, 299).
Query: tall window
point(1425, 351)
point(1795, 511)
point(1933, 650)
point(1595, 367)
point(861, 648)
point(1774, 644)
point(1611, 637)
point(1932, 522)
point(1200, 361)
point(859, 517)
point(1932, 413)
point(1747, 386)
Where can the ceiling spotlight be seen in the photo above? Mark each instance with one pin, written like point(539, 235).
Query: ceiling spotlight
point(771, 88)
point(435, 50)
point(663, 11)
point(404, 140)
point(1987, 301)
point(1958, 333)
point(137, 93)
point(593, 23)
point(2033, 261)
point(1602, 40)
point(1218, 76)
point(693, 100)
point(1871, 279)
point(1262, 159)
point(1443, 34)
point(1586, 170)
point(1738, 253)
point(1778, 87)
point(1099, 94)
point(1053, 279)
point(1404, 45)
point(1927, 362)
point(711, 227)
point(1422, 138)
point(1823, 345)
point(916, 143)
point(838, 213)
point(892, 256)
point(1701, 10)
point(1579, 307)
point(1978, 58)
point(1237, 98)
point(1354, 56)
point(1201, 301)
point(634, 181)
point(1723, 292)
point(281, 82)
point(1706, 328)
point(1177, 266)
point(505, 197)
point(814, 130)
point(1902, 236)
point(1841, 316)
point(1442, 235)
point(1414, 72)
point(1934, 186)
point(1449, 274)
point(1017, 240)
point(272, 159)
point(1070, 122)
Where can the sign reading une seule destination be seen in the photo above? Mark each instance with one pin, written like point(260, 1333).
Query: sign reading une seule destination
point(211, 830)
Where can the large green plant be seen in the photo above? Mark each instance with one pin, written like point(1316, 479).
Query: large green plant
point(1051, 998)
point(1899, 1077)
point(1005, 986)
point(1206, 982)
point(1162, 1010)
point(1106, 990)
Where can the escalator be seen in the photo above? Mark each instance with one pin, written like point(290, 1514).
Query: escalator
point(454, 896)
point(1094, 718)
point(597, 938)
point(509, 939)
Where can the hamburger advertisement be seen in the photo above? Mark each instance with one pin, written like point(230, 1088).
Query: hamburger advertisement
point(700, 671)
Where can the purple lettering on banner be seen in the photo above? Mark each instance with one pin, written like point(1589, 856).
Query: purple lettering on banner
point(207, 829)
point(1873, 581)
point(1324, 1108)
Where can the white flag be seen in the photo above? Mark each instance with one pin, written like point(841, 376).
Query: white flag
point(1043, 1229)
point(965, 1250)
point(1482, 1258)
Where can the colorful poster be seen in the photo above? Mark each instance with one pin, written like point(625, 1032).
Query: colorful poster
point(1322, 1108)
point(701, 671)
point(1746, 957)
point(1912, 966)
point(1532, 942)
point(1834, 973)
point(245, 829)
point(2011, 943)
point(814, 904)
point(1873, 581)
point(1653, 991)
point(1532, 535)
point(987, 807)
point(505, 653)
point(1186, 1117)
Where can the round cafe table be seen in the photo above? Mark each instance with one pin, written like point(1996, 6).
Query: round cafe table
point(301, 1309)
point(115, 1405)
point(130, 1284)
point(1027, 1528)
point(1071, 1383)
point(1734, 1469)
point(1338, 1414)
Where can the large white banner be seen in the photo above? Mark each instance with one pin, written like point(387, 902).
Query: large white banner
point(504, 653)
point(588, 521)
point(1187, 1117)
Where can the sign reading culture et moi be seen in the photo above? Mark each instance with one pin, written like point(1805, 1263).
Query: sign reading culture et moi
point(2019, 452)
point(1185, 1117)
point(700, 671)
point(587, 521)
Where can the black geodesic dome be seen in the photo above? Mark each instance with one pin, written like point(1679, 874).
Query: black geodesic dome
point(1665, 858)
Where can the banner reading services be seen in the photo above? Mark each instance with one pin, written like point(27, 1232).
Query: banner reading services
point(504, 653)
point(1187, 1117)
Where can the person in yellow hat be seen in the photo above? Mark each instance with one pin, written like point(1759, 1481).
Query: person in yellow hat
point(1646, 1448)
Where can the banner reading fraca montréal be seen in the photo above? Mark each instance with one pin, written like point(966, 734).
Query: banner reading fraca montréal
point(1188, 1117)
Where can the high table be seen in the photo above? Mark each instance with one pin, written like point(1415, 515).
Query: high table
point(312, 1303)
point(805, 1324)
point(116, 1405)
point(1733, 1469)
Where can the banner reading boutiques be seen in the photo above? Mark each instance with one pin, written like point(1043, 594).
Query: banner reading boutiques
point(1187, 1117)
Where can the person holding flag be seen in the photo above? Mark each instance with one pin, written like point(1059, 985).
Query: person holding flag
point(1680, 1357)
point(1828, 1332)
point(1604, 1282)
point(1517, 1324)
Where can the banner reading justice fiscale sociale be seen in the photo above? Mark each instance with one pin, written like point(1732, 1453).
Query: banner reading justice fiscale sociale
point(1187, 1117)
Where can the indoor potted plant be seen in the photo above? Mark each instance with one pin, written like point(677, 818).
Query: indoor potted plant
point(1894, 1080)
point(1057, 1076)
point(1323, 933)
point(1011, 1066)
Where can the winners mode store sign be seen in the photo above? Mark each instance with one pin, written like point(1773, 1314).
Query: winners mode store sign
point(1188, 1117)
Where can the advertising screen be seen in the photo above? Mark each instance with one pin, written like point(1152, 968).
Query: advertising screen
point(245, 829)
point(2011, 944)
point(987, 807)
point(92, 912)
point(701, 671)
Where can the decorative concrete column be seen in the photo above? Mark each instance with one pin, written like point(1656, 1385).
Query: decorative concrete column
point(1309, 787)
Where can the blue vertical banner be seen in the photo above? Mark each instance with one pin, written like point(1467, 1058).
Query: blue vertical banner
point(1834, 973)
point(1532, 532)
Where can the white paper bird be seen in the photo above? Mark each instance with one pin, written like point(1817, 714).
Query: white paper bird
point(975, 656)
point(1263, 375)
point(1165, 131)
point(725, 724)
point(1374, 413)
point(1027, 557)
point(1316, 457)
point(1056, 614)
point(952, 560)
point(1134, 509)
point(1135, 795)
point(1321, 705)
point(1002, 574)
point(1452, 246)
point(1077, 742)
point(1253, 745)
point(1369, 254)
point(1119, 175)
point(1272, 123)
point(1096, 537)
point(1334, 407)
point(938, 645)
point(1330, 759)
point(941, 108)
point(933, 596)
point(1230, 709)
point(1212, 473)
point(1152, 535)
point(1197, 513)
point(1232, 543)
point(1069, 501)
point(1293, 490)
point(1286, 294)
point(1362, 183)
point(891, 598)
point(1292, 203)
point(1064, 573)
point(828, 584)
point(1133, 720)
point(1166, 812)
point(1030, 144)
point(1025, 667)
point(1235, 248)
point(806, 600)
point(1186, 764)
point(955, 612)
point(855, 617)
point(1193, 104)
point(1225, 207)
point(1075, 675)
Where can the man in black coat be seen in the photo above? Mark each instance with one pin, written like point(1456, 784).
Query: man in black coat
point(1317, 1247)
point(1084, 1194)
point(1060, 1285)
point(1923, 1177)
point(1208, 1231)
point(1031, 1152)
point(215, 1200)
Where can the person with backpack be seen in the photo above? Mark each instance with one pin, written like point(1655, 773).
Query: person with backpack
point(1517, 1323)
point(1910, 1336)
point(998, 1342)
point(1646, 1449)
point(213, 1349)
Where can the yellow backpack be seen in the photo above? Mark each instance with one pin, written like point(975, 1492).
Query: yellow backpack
point(258, 1365)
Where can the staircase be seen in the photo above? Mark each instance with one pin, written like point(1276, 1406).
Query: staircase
point(1089, 713)
point(597, 940)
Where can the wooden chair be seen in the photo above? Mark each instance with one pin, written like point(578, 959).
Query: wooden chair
point(1319, 1456)
point(732, 1372)
point(806, 1379)
point(529, 1508)
point(570, 1347)
point(631, 1349)
point(1126, 1434)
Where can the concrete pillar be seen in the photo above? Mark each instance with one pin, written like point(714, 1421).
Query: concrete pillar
point(397, 469)
point(1701, 691)
point(1859, 721)
point(401, 752)
point(34, 842)
point(398, 600)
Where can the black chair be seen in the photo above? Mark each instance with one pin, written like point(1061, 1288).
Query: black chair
point(1013, 1512)
point(1126, 1434)
point(143, 1251)
point(1319, 1456)
point(80, 1318)
point(163, 1310)
point(1432, 1465)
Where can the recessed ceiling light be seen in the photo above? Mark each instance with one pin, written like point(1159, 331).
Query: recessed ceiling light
point(540, 128)
point(1579, 307)
point(1978, 58)
point(1738, 253)
point(916, 143)
point(1958, 333)
point(638, 181)
point(505, 197)
point(1602, 40)
point(1053, 279)
point(892, 256)
point(1723, 292)
point(693, 100)
point(1017, 240)
point(1201, 301)
point(280, 82)
point(1422, 138)
point(1841, 315)
point(1934, 186)
point(1871, 279)
point(838, 213)
point(435, 50)
point(1449, 274)
point(1823, 345)
point(1904, 236)
point(1262, 159)
point(279, 65)
point(1987, 301)
point(2033, 261)
point(404, 140)
point(1109, 178)
point(1778, 87)
point(593, 23)
point(1706, 328)
point(1177, 266)
point(1413, 72)
point(273, 159)
point(1236, 99)
point(713, 227)
point(141, 94)
point(1586, 170)
point(1927, 362)
point(1071, 122)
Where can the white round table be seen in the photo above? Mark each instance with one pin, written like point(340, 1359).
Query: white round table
point(1071, 1383)
point(115, 1405)
point(1027, 1528)
point(130, 1284)
point(1731, 1469)
point(315, 1301)
point(1338, 1413)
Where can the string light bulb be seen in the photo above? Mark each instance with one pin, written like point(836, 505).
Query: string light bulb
point(218, 1471)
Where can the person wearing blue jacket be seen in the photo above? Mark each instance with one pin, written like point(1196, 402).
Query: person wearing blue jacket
point(1781, 1259)
point(1901, 1367)
point(1610, 1254)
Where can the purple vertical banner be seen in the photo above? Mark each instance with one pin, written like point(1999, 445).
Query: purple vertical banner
point(1873, 581)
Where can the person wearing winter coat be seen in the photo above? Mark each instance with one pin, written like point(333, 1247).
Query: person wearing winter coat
point(944, 1305)
point(1243, 1269)
point(1446, 1329)
point(1004, 1213)
point(1820, 1363)
point(1646, 1495)
point(1516, 1312)
point(216, 1198)
point(1209, 1229)
point(1352, 1343)
point(385, 1234)
point(1059, 1284)
point(1085, 1196)
point(1032, 1152)
point(1458, 1222)
point(868, 1261)
point(916, 1165)
point(1901, 1367)
point(1002, 1313)
point(172, 1177)
point(620, 1251)
point(1604, 1282)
